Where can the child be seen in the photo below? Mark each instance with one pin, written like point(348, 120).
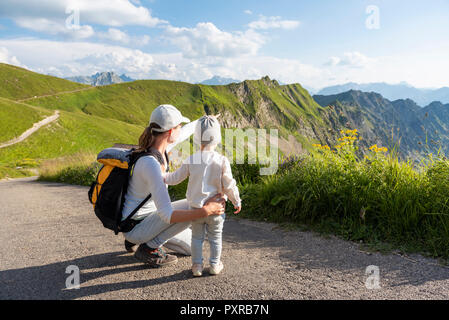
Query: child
point(209, 173)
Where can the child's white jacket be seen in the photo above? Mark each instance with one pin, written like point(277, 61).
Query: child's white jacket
point(209, 173)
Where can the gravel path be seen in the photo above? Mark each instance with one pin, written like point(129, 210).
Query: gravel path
point(30, 131)
point(47, 227)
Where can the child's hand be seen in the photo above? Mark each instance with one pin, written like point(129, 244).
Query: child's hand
point(237, 209)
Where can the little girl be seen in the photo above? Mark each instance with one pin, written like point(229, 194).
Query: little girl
point(209, 173)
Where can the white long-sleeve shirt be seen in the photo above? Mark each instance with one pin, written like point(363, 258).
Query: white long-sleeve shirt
point(207, 177)
point(147, 178)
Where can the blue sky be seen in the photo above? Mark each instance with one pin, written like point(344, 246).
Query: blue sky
point(315, 43)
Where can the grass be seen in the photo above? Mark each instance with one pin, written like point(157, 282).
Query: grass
point(79, 169)
point(133, 102)
point(128, 102)
point(14, 122)
point(378, 199)
point(70, 134)
point(18, 83)
point(10, 170)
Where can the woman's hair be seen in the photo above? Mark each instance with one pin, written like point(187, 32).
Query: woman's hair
point(147, 138)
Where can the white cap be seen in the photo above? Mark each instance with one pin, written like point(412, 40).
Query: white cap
point(207, 131)
point(167, 117)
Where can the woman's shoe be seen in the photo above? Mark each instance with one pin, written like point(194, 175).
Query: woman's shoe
point(216, 268)
point(155, 258)
point(197, 270)
point(129, 246)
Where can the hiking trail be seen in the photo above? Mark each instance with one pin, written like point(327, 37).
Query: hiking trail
point(36, 126)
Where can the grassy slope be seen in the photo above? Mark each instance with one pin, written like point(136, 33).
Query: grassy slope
point(15, 118)
point(133, 102)
point(129, 102)
point(72, 133)
point(17, 83)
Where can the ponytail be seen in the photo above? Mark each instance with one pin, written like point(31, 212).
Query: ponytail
point(147, 138)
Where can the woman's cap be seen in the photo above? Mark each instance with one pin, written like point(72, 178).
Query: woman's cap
point(167, 117)
point(207, 131)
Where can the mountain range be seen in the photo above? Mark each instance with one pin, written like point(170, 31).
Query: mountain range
point(417, 130)
point(101, 79)
point(95, 117)
point(393, 91)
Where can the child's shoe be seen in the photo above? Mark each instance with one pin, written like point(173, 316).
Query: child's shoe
point(197, 270)
point(216, 268)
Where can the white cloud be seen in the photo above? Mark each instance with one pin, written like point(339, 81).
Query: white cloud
point(6, 57)
point(73, 18)
point(55, 28)
point(265, 23)
point(206, 40)
point(248, 12)
point(123, 59)
point(113, 13)
point(64, 59)
point(241, 67)
point(115, 35)
point(350, 59)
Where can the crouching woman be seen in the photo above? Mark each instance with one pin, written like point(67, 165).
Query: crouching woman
point(159, 221)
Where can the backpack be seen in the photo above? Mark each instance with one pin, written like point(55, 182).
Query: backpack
point(107, 192)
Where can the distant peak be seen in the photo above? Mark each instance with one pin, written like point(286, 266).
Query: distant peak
point(436, 104)
point(101, 78)
point(218, 80)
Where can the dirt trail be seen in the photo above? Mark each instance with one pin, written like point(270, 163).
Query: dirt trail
point(47, 227)
point(55, 94)
point(30, 131)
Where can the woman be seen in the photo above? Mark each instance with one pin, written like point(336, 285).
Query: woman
point(160, 220)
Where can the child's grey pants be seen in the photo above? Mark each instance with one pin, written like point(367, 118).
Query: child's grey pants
point(213, 225)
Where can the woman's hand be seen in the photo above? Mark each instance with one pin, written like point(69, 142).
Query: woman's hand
point(214, 205)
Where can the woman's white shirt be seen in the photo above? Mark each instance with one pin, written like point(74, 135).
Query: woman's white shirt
point(147, 178)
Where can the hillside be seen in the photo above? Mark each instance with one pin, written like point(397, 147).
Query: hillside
point(16, 118)
point(253, 103)
point(18, 83)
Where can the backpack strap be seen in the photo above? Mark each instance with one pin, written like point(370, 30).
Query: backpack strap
point(133, 162)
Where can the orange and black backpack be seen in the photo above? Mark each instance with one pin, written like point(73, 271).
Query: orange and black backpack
point(107, 192)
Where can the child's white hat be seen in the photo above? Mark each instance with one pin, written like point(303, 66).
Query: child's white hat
point(207, 131)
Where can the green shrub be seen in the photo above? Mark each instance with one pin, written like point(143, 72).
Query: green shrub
point(79, 175)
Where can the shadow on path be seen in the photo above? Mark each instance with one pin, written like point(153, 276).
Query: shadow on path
point(49, 281)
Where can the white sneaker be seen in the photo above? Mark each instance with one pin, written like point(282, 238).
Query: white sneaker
point(197, 270)
point(216, 268)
